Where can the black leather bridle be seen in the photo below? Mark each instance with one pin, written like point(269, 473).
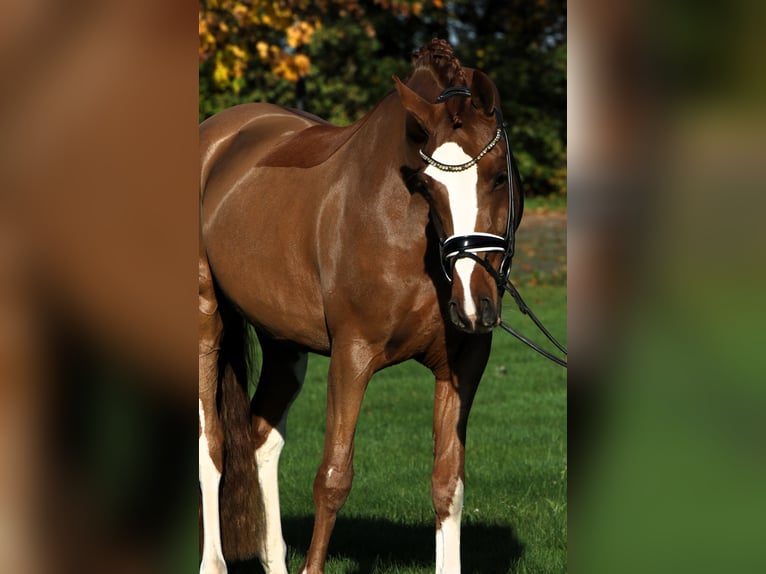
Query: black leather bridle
point(470, 245)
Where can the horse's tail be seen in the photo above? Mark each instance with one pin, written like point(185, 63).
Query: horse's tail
point(241, 503)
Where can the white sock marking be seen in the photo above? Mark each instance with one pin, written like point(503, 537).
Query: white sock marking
point(448, 536)
point(267, 459)
point(209, 480)
point(463, 204)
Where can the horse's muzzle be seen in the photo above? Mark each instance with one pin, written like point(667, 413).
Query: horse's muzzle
point(486, 318)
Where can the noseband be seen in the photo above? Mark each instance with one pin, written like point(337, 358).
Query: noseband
point(469, 246)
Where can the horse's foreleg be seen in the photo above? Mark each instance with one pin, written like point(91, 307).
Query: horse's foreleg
point(281, 379)
point(453, 397)
point(210, 431)
point(351, 367)
point(448, 475)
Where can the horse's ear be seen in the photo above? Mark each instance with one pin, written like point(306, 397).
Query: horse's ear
point(483, 93)
point(419, 108)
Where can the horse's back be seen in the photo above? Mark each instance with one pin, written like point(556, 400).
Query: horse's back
point(241, 135)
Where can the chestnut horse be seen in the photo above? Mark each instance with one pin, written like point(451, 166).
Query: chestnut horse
point(386, 240)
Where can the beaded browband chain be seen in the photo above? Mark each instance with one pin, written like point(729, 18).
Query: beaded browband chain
point(463, 166)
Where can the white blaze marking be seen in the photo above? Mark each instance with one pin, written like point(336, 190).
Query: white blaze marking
point(448, 536)
point(463, 205)
point(267, 459)
point(209, 480)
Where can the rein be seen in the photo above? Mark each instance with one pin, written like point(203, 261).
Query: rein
point(524, 308)
point(468, 246)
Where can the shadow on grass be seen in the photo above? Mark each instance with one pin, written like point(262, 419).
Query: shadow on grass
point(373, 544)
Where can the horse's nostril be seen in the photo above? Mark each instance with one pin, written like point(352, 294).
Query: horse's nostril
point(487, 312)
point(454, 315)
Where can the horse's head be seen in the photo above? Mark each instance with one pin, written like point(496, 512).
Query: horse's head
point(463, 170)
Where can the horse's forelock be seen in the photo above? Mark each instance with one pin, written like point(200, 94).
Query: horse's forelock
point(439, 57)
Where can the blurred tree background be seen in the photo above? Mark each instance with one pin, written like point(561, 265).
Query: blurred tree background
point(335, 58)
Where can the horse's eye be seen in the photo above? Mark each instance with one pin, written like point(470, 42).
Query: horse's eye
point(500, 179)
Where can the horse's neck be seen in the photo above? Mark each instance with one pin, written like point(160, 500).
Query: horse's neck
point(380, 141)
point(377, 159)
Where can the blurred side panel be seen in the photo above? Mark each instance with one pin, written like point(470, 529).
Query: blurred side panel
point(667, 143)
point(98, 211)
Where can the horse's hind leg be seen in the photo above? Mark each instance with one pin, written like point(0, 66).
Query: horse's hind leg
point(210, 430)
point(282, 375)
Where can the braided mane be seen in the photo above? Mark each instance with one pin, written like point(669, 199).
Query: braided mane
point(438, 57)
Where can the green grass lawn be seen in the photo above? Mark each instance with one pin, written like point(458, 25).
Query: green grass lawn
point(514, 518)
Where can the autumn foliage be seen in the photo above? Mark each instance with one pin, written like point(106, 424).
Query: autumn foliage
point(335, 59)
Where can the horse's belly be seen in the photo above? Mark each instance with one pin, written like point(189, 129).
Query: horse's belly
point(287, 316)
point(271, 298)
point(259, 244)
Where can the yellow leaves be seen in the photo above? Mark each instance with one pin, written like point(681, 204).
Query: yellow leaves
point(237, 52)
point(206, 37)
point(240, 12)
point(233, 31)
point(300, 33)
point(275, 15)
point(230, 65)
point(281, 10)
point(240, 40)
point(263, 50)
point(291, 67)
point(221, 73)
point(283, 69)
point(302, 64)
